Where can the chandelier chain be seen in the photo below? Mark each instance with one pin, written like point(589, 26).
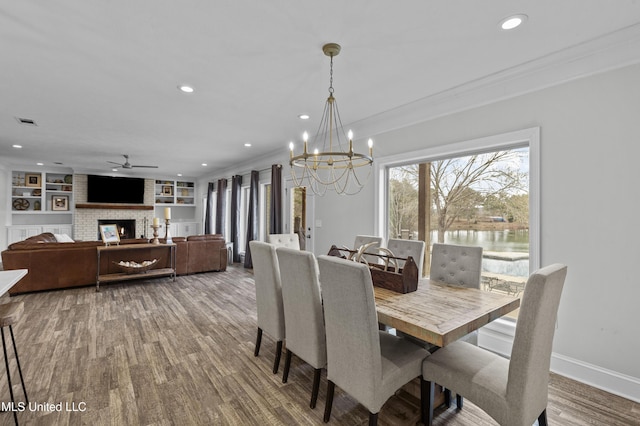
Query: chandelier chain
point(331, 76)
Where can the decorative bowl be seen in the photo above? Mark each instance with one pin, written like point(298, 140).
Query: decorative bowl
point(130, 267)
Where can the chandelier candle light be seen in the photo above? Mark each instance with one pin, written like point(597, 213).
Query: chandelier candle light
point(332, 168)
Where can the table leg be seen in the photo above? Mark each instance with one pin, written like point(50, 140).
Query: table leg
point(98, 273)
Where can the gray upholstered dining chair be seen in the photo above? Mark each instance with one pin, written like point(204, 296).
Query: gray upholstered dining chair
point(457, 265)
point(368, 364)
point(514, 392)
point(266, 274)
point(284, 240)
point(406, 248)
point(362, 240)
point(303, 314)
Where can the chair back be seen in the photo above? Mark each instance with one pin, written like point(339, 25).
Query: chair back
point(366, 239)
point(302, 301)
point(291, 241)
point(266, 274)
point(531, 353)
point(406, 248)
point(458, 265)
point(354, 361)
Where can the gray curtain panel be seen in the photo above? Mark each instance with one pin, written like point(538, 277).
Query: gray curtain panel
point(208, 223)
point(221, 207)
point(236, 186)
point(252, 219)
point(275, 225)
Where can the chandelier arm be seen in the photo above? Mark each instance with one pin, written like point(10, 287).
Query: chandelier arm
point(339, 120)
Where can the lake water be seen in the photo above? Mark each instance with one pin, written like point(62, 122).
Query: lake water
point(506, 241)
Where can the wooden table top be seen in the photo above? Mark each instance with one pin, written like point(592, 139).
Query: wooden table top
point(440, 314)
point(133, 246)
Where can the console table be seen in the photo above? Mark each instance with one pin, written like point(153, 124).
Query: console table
point(121, 276)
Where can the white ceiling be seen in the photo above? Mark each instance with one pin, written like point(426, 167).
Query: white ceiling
point(100, 77)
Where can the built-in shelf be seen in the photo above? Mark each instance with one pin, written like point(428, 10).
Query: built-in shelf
point(175, 192)
point(41, 192)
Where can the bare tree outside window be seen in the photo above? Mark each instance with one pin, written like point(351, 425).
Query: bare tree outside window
point(462, 186)
point(479, 199)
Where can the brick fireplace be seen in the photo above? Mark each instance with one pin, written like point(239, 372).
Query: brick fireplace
point(85, 221)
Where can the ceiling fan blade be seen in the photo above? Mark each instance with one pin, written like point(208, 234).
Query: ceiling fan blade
point(113, 162)
point(148, 167)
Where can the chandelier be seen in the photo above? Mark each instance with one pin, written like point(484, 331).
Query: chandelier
point(330, 166)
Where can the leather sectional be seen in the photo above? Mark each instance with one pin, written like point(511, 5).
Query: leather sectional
point(54, 265)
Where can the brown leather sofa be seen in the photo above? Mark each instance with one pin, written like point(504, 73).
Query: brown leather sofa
point(53, 265)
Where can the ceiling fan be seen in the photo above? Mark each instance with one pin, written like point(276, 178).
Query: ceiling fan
point(127, 165)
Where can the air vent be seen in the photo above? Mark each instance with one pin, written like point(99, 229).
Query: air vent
point(26, 121)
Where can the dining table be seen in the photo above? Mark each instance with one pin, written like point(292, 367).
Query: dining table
point(440, 313)
point(9, 278)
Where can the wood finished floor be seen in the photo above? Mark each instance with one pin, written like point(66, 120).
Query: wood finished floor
point(160, 352)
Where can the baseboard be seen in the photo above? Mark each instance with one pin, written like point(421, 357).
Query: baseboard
point(498, 337)
point(598, 377)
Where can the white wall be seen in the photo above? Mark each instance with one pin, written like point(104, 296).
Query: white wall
point(589, 172)
point(589, 154)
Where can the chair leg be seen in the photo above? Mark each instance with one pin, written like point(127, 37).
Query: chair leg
point(276, 362)
point(447, 397)
point(427, 391)
point(459, 401)
point(15, 351)
point(542, 418)
point(6, 363)
point(287, 365)
point(329, 402)
point(258, 342)
point(373, 419)
point(316, 387)
point(424, 392)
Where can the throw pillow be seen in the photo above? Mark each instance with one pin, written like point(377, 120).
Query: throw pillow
point(63, 238)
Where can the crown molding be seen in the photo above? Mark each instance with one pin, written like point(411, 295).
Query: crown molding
point(611, 51)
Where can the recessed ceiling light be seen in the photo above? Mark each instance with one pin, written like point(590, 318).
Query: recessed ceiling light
point(247, 144)
point(186, 89)
point(39, 164)
point(114, 170)
point(204, 164)
point(303, 116)
point(179, 174)
point(513, 21)
point(17, 146)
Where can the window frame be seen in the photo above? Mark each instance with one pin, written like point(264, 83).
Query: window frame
point(498, 334)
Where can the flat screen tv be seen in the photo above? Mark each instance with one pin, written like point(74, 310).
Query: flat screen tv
point(119, 190)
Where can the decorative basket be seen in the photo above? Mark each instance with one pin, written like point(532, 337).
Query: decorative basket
point(130, 267)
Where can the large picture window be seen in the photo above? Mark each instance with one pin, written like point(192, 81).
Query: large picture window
point(478, 193)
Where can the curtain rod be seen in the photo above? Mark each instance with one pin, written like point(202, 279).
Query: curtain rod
point(249, 172)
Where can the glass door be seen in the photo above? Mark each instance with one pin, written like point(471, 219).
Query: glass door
point(298, 214)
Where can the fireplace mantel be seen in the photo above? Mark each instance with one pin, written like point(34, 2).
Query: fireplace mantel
point(114, 206)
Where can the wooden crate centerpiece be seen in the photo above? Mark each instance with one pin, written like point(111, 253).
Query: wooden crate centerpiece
point(403, 280)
